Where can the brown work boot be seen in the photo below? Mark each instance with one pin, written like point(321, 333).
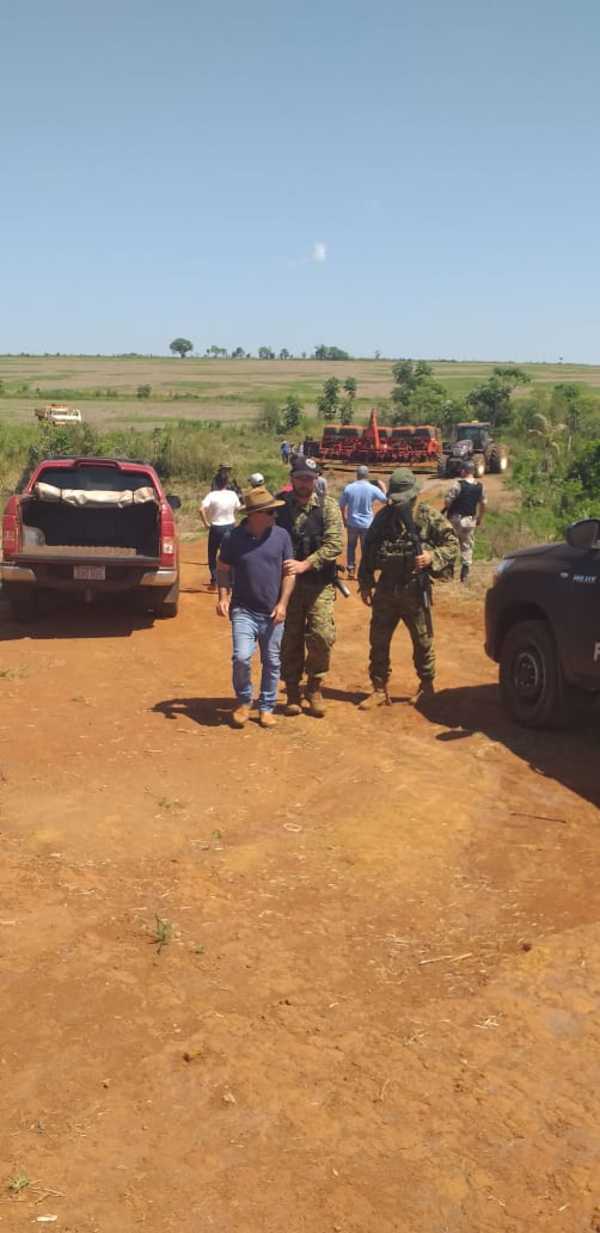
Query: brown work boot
point(266, 719)
point(240, 716)
point(425, 691)
point(314, 697)
point(379, 697)
point(293, 705)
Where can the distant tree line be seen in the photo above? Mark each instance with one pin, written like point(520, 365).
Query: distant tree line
point(183, 346)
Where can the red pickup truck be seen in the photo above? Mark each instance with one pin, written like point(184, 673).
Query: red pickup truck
point(91, 526)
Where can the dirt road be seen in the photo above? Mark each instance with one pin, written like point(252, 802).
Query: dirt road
point(376, 1005)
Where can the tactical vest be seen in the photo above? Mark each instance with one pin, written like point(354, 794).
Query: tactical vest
point(307, 540)
point(395, 557)
point(465, 504)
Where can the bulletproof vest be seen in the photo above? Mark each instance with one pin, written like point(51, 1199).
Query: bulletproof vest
point(465, 504)
point(309, 537)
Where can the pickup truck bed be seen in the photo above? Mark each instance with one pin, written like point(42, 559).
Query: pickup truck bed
point(91, 526)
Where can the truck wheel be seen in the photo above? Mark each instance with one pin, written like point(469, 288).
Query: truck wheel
point(442, 465)
point(498, 460)
point(532, 685)
point(479, 465)
point(24, 603)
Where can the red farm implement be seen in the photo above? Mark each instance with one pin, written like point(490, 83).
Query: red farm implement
point(416, 447)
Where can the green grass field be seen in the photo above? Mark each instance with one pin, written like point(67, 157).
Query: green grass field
point(230, 391)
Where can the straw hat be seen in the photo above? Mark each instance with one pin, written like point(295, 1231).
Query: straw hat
point(259, 500)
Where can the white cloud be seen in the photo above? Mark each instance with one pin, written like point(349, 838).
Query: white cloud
point(319, 251)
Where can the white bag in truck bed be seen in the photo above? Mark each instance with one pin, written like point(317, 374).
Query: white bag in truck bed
point(94, 500)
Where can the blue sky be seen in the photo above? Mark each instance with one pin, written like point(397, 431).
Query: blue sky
point(418, 179)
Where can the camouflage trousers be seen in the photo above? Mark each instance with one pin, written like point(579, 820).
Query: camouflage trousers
point(465, 531)
point(389, 608)
point(309, 632)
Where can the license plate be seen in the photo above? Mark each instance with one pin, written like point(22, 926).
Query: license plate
point(90, 573)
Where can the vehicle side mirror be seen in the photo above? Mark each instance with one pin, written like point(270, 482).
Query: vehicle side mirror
point(173, 501)
point(584, 534)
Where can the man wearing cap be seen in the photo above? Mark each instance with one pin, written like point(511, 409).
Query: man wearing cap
point(464, 507)
point(315, 528)
point(256, 480)
point(397, 596)
point(254, 592)
point(356, 504)
point(224, 479)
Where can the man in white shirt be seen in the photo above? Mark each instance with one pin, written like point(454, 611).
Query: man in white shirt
point(217, 512)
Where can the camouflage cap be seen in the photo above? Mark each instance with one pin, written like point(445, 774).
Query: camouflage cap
point(403, 486)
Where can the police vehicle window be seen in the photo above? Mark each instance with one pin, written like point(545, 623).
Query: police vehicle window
point(94, 479)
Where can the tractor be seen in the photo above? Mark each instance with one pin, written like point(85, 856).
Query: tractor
point(473, 442)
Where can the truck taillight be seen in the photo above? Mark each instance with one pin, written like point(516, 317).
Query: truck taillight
point(10, 535)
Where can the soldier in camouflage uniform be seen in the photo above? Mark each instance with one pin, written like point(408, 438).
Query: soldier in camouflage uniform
point(315, 526)
point(397, 595)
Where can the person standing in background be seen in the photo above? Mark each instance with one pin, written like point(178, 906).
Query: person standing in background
point(217, 511)
point(223, 478)
point(320, 484)
point(356, 504)
point(464, 506)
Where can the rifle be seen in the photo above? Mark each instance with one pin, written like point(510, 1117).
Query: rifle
point(338, 584)
point(423, 579)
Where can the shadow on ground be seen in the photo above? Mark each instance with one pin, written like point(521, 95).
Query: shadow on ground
point(76, 621)
point(569, 757)
point(208, 712)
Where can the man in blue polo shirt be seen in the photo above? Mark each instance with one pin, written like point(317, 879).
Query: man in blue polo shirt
point(254, 592)
point(356, 504)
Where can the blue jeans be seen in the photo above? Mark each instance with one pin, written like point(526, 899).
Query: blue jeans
point(248, 628)
point(354, 534)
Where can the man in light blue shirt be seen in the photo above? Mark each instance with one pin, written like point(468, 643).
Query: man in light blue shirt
point(356, 504)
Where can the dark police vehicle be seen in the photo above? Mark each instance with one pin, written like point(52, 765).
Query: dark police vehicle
point(542, 619)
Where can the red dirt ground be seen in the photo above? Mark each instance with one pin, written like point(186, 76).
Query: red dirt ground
point(377, 1011)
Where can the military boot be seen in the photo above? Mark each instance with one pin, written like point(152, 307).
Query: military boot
point(293, 705)
point(379, 697)
point(464, 573)
point(314, 697)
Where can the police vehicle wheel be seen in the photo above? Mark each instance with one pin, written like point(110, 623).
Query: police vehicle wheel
point(532, 685)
